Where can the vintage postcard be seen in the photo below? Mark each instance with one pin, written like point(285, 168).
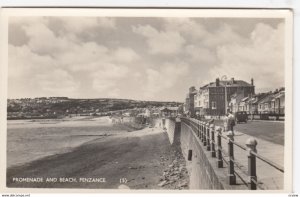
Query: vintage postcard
point(102, 99)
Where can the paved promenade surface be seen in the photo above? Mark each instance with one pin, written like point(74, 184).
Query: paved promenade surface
point(268, 177)
point(267, 130)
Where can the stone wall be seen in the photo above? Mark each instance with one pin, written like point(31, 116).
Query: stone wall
point(202, 173)
point(172, 130)
point(202, 168)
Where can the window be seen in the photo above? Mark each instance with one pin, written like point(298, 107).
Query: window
point(213, 105)
point(206, 104)
point(266, 105)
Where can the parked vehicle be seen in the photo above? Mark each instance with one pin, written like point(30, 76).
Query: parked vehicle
point(241, 116)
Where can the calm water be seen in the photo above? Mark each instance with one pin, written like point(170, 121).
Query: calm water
point(28, 140)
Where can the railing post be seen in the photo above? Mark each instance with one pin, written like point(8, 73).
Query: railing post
point(219, 148)
point(212, 134)
point(198, 129)
point(207, 137)
point(190, 155)
point(164, 123)
point(199, 126)
point(231, 175)
point(204, 134)
point(251, 144)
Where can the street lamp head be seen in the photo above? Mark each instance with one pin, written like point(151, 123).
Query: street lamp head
point(224, 77)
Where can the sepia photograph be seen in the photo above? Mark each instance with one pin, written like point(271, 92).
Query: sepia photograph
point(148, 99)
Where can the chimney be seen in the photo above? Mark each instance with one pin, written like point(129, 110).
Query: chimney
point(217, 82)
point(252, 82)
point(232, 80)
point(192, 89)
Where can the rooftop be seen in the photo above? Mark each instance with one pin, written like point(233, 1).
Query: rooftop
point(169, 108)
point(266, 99)
point(228, 83)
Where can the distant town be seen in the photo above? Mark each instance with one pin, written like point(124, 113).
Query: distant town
point(58, 107)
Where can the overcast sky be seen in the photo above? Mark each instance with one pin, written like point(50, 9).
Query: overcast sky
point(140, 58)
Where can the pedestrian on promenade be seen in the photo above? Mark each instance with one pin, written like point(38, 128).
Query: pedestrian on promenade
point(229, 121)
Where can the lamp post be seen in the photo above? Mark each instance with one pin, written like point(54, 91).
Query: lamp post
point(224, 77)
point(251, 110)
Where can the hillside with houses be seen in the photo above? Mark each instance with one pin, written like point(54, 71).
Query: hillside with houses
point(56, 107)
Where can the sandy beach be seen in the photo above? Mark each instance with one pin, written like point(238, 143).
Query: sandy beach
point(99, 152)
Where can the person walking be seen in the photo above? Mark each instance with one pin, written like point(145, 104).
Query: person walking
point(229, 121)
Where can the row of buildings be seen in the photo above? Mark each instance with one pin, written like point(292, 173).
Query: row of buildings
point(217, 97)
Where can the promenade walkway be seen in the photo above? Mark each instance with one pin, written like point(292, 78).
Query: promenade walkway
point(268, 177)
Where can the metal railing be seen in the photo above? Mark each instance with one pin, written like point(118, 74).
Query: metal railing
point(211, 137)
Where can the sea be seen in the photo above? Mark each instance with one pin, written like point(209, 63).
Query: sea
point(29, 140)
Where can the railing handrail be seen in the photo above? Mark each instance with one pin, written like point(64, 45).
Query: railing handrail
point(262, 158)
point(271, 163)
point(202, 131)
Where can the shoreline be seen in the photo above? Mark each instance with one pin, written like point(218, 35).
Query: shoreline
point(28, 141)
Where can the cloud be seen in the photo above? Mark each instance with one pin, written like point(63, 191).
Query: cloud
point(152, 57)
point(187, 27)
point(46, 40)
point(48, 82)
point(108, 76)
point(262, 58)
point(166, 77)
point(29, 72)
point(83, 24)
point(198, 34)
point(222, 36)
point(23, 62)
point(85, 56)
point(200, 55)
point(125, 54)
point(43, 41)
point(114, 93)
point(160, 42)
point(65, 56)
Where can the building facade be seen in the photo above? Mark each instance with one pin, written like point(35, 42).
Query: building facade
point(186, 105)
point(211, 100)
point(262, 103)
point(279, 103)
point(273, 103)
point(189, 106)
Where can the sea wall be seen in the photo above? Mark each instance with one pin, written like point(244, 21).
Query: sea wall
point(173, 130)
point(202, 168)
